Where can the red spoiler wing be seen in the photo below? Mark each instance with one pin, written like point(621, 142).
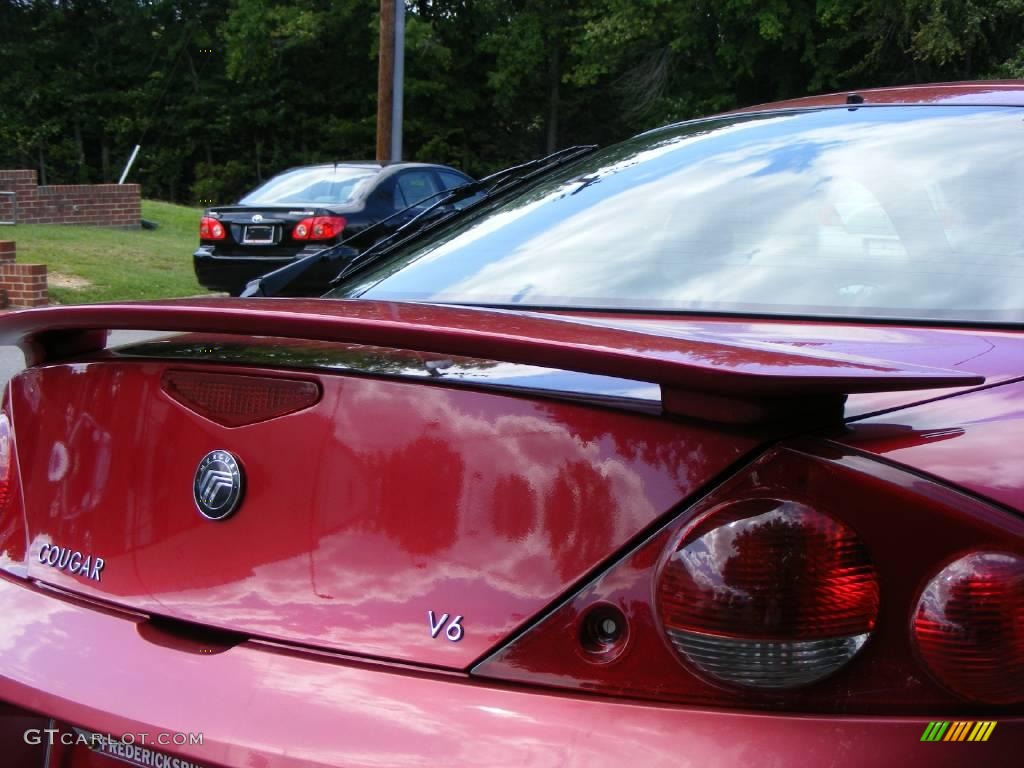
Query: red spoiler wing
point(720, 379)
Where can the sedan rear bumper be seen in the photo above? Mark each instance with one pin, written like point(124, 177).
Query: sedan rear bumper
point(255, 704)
point(231, 273)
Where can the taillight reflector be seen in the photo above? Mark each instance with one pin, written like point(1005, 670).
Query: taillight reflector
point(969, 627)
point(319, 228)
point(235, 400)
point(211, 229)
point(768, 593)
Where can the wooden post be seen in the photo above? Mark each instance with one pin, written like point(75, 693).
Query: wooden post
point(385, 75)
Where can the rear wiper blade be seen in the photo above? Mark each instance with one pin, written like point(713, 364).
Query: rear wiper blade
point(500, 182)
point(272, 283)
point(489, 185)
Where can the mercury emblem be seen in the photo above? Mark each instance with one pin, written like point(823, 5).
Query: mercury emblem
point(218, 485)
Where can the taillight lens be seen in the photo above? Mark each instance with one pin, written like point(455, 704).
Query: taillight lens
point(794, 586)
point(768, 593)
point(12, 521)
point(6, 461)
point(969, 627)
point(211, 229)
point(319, 228)
point(236, 400)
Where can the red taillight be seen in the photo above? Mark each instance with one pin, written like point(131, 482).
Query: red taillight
point(768, 593)
point(6, 461)
point(211, 229)
point(319, 228)
point(791, 586)
point(12, 522)
point(969, 627)
point(236, 400)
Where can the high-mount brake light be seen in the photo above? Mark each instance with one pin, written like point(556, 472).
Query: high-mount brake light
point(969, 627)
point(235, 400)
point(768, 593)
point(319, 228)
point(211, 229)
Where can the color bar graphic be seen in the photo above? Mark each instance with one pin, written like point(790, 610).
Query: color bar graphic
point(960, 730)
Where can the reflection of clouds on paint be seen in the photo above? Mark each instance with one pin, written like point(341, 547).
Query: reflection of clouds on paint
point(387, 500)
point(256, 706)
point(58, 464)
point(432, 498)
point(22, 639)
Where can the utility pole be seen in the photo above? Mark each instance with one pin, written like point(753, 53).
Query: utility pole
point(398, 86)
point(385, 80)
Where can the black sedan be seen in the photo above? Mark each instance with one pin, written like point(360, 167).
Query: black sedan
point(304, 210)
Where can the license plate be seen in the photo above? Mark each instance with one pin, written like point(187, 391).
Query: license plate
point(120, 753)
point(263, 235)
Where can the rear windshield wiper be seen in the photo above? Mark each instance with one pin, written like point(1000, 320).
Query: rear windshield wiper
point(275, 281)
point(501, 181)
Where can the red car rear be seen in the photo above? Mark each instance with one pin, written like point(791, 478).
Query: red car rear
point(703, 449)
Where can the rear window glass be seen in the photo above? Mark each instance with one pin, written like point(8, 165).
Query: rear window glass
point(312, 186)
point(894, 212)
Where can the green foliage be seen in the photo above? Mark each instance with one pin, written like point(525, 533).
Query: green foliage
point(223, 93)
point(220, 182)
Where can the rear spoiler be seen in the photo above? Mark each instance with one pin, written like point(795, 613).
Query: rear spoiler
point(717, 379)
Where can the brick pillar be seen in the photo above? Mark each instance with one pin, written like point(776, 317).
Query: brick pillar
point(23, 184)
point(24, 284)
point(7, 251)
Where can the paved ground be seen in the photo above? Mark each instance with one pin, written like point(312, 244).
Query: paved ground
point(12, 361)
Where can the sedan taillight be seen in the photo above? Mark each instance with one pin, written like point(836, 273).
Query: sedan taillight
point(319, 228)
point(797, 585)
point(211, 229)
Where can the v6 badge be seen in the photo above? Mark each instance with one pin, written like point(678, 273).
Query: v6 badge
point(454, 630)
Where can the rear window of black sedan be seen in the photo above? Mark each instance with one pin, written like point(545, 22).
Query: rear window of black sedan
point(912, 212)
point(320, 185)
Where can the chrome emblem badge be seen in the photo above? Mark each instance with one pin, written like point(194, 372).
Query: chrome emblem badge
point(218, 486)
point(256, 219)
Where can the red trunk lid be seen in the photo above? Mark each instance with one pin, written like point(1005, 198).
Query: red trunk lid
point(383, 502)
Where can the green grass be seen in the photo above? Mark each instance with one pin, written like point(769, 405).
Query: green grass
point(87, 264)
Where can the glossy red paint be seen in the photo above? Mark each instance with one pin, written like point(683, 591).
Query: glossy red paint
point(718, 366)
point(383, 501)
point(996, 354)
point(993, 92)
point(910, 527)
point(274, 708)
point(973, 441)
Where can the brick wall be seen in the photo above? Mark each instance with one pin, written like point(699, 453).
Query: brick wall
point(21, 285)
point(106, 205)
